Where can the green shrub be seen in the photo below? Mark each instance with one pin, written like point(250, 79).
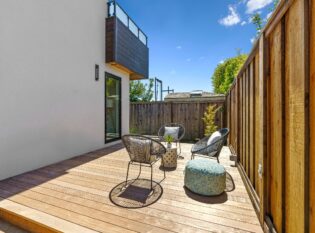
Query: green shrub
point(209, 120)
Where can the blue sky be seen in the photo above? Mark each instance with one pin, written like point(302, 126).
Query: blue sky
point(187, 39)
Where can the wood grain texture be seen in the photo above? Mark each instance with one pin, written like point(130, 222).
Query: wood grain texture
point(276, 140)
point(77, 190)
point(261, 127)
point(244, 122)
point(241, 154)
point(251, 123)
point(312, 118)
point(295, 74)
point(256, 123)
point(247, 81)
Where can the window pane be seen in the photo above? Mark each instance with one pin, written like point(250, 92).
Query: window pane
point(142, 37)
point(133, 28)
point(113, 109)
point(121, 15)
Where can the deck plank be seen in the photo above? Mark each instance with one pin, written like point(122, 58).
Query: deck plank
point(77, 190)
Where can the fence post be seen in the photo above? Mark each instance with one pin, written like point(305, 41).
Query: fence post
point(172, 118)
point(263, 71)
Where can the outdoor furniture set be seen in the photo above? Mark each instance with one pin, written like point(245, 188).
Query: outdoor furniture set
point(202, 176)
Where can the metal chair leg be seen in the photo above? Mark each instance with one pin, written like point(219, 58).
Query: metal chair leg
point(163, 167)
point(151, 177)
point(139, 172)
point(180, 148)
point(127, 173)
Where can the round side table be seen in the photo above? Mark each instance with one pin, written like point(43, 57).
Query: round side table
point(170, 158)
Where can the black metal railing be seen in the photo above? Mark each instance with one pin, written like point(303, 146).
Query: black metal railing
point(115, 10)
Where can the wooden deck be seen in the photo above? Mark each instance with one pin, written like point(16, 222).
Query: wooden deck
point(73, 196)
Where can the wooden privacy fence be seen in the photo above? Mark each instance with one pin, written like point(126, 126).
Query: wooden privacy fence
point(272, 123)
point(147, 118)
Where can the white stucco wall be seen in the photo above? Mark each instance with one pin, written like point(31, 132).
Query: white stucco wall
point(51, 108)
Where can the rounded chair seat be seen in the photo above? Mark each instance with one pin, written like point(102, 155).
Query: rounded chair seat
point(205, 177)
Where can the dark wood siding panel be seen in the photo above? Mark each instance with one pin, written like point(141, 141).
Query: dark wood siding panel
point(110, 39)
point(125, 49)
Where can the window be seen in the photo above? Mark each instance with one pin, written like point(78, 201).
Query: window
point(112, 108)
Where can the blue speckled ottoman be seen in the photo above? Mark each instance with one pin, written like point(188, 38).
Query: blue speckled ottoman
point(205, 177)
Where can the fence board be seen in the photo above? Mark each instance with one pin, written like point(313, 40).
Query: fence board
point(247, 121)
point(312, 119)
point(276, 102)
point(251, 123)
point(257, 133)
point(244, 121)
point(241, 98)
point(262, 124)
point(295, 118)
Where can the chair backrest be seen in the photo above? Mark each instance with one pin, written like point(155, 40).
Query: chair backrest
point(141, 148)
point(218, 144)
point(213, 149)
point(181, 132)
point(224, 132)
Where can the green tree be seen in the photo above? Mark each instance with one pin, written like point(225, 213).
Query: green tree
point(257, 19)
point(141, 92)
point(225, 73)
point(258, 22)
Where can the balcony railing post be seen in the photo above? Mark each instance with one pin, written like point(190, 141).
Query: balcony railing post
point(114, 7)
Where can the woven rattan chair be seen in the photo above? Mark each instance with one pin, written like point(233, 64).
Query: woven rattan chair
point(181, 133)
point(212, 150)
point(143, 151)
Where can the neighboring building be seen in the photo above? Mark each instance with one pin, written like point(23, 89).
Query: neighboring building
point(65, 68)
point(194, 96)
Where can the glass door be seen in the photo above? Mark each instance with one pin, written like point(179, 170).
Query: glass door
point(112, 108)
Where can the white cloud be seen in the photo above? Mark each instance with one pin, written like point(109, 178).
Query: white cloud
point(188, 59)
point(252, 40)
point(243, 23)
point(202, 58)
point(254, 5)
point(178, 47)
point(268, 15)
point(232, 19)
point(221, 62)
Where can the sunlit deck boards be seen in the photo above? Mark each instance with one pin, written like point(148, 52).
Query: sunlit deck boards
point(74, 196)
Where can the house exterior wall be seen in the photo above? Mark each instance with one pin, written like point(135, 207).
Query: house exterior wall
point(51, 107)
